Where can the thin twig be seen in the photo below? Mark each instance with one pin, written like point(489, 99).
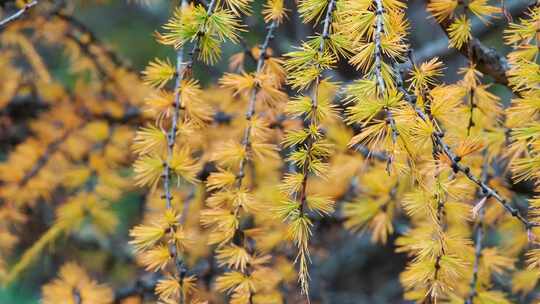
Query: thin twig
point(181, 68)
point(171, 139)
point(379, 24)
point(303, 254)
point(44, 158)
point(19, 14)
point(246, 141)
point(209, 12)
point(171, 134)
point(314, 99)
point(478, 239)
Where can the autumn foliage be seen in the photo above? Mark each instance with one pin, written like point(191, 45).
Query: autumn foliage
point(244, 183)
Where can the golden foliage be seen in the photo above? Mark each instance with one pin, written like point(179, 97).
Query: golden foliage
point(75, 286)
point(242, 173)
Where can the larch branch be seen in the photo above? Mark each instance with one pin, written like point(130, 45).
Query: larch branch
point(456, 165)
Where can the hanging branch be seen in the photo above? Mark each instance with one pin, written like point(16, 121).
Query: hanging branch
point(181, 68)
point(93, 39)
point(302, 223)
point(44, 158)
point(181, 270)
point(455, 160)
point(216, 26)
point(472, 105)
point(196, 48)
point(86, 48)
point(472, 87)
point(379, 24)
point(55, 145)
point(171, 134)
point(314, 104)
point(19, 14)
point(63, 224)
point(247, 145)
point(487, 59)
point(246, 141)
point(183, 72)
point(478, 237)
point(373, 55)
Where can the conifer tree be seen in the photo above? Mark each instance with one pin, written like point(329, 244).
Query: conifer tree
point(257, 152)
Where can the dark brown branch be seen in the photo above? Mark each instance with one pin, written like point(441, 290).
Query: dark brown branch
point(142, 286)
point(44, 158)
point(478, 240)
point(85, 48)
point(456, 165)
point(487, 60)
point(314, 105)
point(379, 30)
